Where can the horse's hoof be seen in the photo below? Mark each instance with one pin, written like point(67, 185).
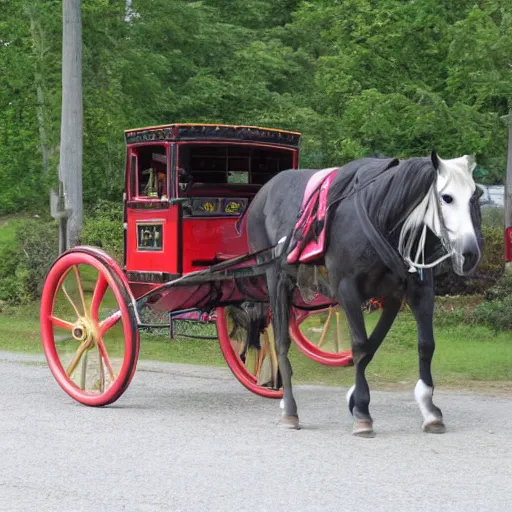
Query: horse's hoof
point(289, 422)
point(434, 427)
point(363, 429)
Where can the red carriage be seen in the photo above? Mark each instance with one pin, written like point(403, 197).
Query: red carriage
point(186, 253)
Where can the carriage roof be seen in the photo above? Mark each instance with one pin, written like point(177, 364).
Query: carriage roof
point(212, 132)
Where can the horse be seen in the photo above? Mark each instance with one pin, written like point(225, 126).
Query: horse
point(389, 223)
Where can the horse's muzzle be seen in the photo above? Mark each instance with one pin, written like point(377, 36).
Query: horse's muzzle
point(472, 255)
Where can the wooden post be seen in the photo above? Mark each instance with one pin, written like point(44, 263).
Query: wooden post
point(508, 182)
point(61, 212)
point(71, 148)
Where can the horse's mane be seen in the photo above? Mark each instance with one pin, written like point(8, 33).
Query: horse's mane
point(385, 192)
point(389, 189)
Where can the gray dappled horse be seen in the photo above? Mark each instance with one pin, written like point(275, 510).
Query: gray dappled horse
point(389, 223)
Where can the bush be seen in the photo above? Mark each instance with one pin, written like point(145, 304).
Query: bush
point(496, 314)
point(496, 310)
point(502, 289)
point(23, 265)
point(493, 218)
point(103, 227)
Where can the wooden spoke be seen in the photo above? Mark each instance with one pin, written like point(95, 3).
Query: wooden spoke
point(99, 292)
point(251, 360)
point(104, 356)
point(109, 322)
point(63, 324)
point(80, 289)
point(269, 341)
point(72, 366)
point(102, 372)
point(337, 339)
point(325, 329)
point(83, 371)
point(262, 353)
point(70, 300)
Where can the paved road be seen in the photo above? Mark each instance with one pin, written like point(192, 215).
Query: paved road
point(187, 438)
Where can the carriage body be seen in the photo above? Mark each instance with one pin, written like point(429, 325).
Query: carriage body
point(187, 188)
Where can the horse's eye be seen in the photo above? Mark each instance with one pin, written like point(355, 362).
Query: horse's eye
point(447, 198)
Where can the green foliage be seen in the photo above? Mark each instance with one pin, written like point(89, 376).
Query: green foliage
point(496, 314)
point(494, 249)
point(493, 218)
point(502, 290)
point(356, 77)
point(103, 227)
point(24, 264)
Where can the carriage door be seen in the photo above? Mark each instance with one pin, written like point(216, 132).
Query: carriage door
point(153, 223)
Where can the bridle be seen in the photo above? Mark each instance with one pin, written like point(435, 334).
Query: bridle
point(415, 265)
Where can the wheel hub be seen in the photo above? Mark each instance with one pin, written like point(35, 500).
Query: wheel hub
point(81, 331)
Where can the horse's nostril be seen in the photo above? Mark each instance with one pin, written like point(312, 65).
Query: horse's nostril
point(470, 260)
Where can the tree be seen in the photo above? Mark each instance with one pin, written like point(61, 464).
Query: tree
point(70, 167)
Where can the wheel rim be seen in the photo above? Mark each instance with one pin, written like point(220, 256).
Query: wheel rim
point(255, 367)
point(322, 335)
point(89, 333)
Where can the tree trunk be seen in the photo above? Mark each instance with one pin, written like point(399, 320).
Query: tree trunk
point(70, 168)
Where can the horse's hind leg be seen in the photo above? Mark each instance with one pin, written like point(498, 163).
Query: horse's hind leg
point(280, 292)
point(363, 350)
point(420, 297)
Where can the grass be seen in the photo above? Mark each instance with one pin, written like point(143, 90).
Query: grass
point(466, 356)
point(8, 226)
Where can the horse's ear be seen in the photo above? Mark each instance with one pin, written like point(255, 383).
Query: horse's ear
point(435, 159)
point(471, 159)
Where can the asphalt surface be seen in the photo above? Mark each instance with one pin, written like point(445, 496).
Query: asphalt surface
point(188, 438)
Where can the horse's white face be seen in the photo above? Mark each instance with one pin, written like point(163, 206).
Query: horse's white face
point(455, 187)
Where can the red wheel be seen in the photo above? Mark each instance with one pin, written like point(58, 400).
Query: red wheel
point(88, 327)
point(255, 367)
point(319, 334)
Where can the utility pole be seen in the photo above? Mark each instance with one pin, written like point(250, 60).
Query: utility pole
point(508, 197)
point(70, 166)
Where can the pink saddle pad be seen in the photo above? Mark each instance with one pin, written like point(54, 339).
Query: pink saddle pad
point(313, 211)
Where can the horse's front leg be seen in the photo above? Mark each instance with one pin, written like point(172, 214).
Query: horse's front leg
point(363, 350)
point(280, 288)
point(420, 297)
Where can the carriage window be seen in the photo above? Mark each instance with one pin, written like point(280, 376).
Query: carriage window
point(152, 172)
point(230, 164)
point(238, 177)
point(133, 175)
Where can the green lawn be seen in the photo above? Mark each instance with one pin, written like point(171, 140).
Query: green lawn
point(465, 355)
point(8, 226)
